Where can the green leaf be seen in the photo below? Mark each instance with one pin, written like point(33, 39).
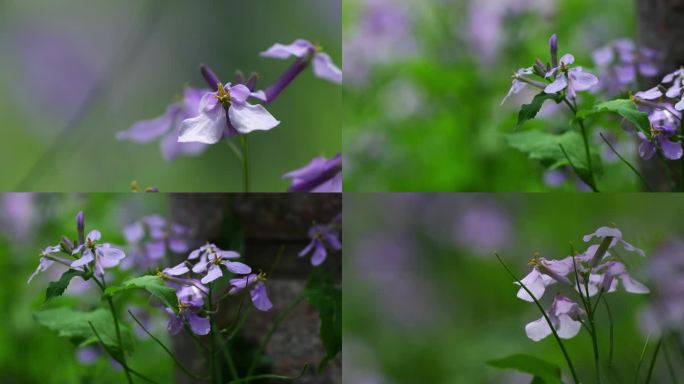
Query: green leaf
point(75, 326)
point(529, 111)
point(327, 299)
point(623, 107)
point(545, 147)
point(547, 372)
point(153, 284)
point(57, 288)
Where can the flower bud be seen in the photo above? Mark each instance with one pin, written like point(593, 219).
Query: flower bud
point(553, 43)
point(210, 77)
point(80, 227)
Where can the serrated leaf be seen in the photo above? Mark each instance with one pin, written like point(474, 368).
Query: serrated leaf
point(542, 370)
point(530, 111)
point(623, 107)
point(74, 325)
point(152, 284)
point(57, 288)
point(327, 299)
point(545, 147)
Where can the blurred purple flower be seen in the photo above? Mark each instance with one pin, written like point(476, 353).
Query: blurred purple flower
point(168, 125)
point(319, 235)
point(89, 355)
point(258, 293)
point(323, 66)
point(229, 103)
point(150, 238)
point(621, 61)
point(383, 35)
point(18, 214)
point(320, 175)
point(483, 228)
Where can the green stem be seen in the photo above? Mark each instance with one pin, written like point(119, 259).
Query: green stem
point(546, 317)
point(633, 168)
point(653, 361)
point(585, 139)
point(641, 359)
point(611, 330)
point(245, 161)
point(168, 351)
point(215, 371)
point(281, 317)
point(670, 368)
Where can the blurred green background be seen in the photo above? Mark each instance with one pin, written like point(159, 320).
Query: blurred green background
point(425, 300)
point(54, 53)
point(424, 80)
point(31, 353)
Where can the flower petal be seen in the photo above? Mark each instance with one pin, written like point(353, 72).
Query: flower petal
point(324, 68)
point(149, 130)
point(538, 329)
point(298, 48)
point(237, 268)
point(319, 254)
point(260, 297)
point(558, 85)
point(198, 325)
point(213, 273)
point(247, 118)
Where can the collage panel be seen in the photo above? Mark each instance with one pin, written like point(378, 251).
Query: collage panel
point(513, 95)
point(114, 96)
point(170, 288)
point(450, 288)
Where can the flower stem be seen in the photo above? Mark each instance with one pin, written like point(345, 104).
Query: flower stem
point(653, 360)
point(633, 168)
point(118, 339)
point(245, 162)
point(271, 376)
point(585, 139)
point(546, 317)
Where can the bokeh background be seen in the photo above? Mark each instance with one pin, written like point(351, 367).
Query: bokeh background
point(425, 300)
point(424, 80)
point(256, 225)
point(115, 63)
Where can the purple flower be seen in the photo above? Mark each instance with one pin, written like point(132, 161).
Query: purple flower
point(190, 303)
point(211, 123)
point(323, 65)
point(572, 79)
point(150, 238)
point(675, 91)
point(47, 259)
point(663, 129)
point(258, 293)
point(168, 125)
point(520, 82)
point(616, 234)
point(211, 259)
point(320, 175)
point(565, 317)
point(319, 235)
point(104, 255)
point(544, 273)
point(621, 61)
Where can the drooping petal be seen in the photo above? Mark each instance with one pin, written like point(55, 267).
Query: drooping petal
point(299, 48)
point(631, 248)
point(558, 85)
point(84, 260)
point(177, 270)
point(260, 297)
point(43, 265)
point(307, 249)
point(248, 118)
point(213, 273)
point(324, 68)
point(632, 285)
point(237, 268)
point(241, 283)
point(149, 130)
point(319, 254)
point(199, 325)
point(537, 329)
point(646, 147)
point(671, 150)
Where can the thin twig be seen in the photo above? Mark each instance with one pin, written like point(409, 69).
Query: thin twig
point(633, 168)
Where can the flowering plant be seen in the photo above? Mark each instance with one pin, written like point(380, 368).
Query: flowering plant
point(583, 281)
point(189, 296)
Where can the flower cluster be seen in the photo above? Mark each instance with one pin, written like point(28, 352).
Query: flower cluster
point(594, 272)
point(664, 104)
point(152, 238)
point(320, 234)
point(621, 63)
point(191, 279)
point(553, 78)
point(87, 254)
